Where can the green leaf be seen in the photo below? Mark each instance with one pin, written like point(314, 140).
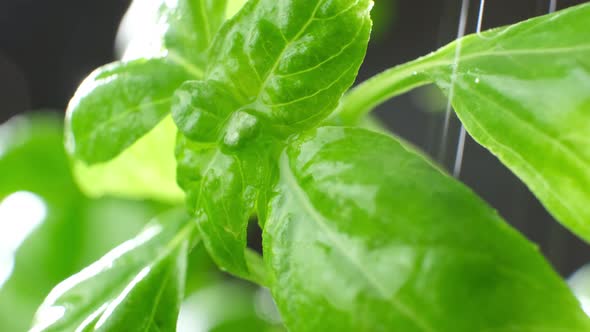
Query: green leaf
point(27, 142)
point(176, 37)
point(275, 67)
point(141, 31)
point(117, 104)
point(364, 234)
point(48, 230)
point(71, 236)
point(287, 62)
point(180, 30)
point(522, 92)
point(191, 26)
point(233, 6)
point(216, 193)
point(222, 191)
point(199, 109)
point(37, 206)
point(138, 286)
point(147, 169)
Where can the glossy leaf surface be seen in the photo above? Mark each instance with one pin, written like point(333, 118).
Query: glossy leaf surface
point(278, 63)
point(222, 191)
point(366, 235)
point(215, 193)
point(199, 110)
point(191, 26)
point(117, 104)
point(181, 30)
point(523, 93)
point(138, 286)
point(285, 61)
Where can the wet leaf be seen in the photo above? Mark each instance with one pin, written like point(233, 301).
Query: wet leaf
point(288, 62)
point(222, 191)
point(276, 66)
point(117, 104)
point(366, 235)
point(138, 286)
point(522, 92)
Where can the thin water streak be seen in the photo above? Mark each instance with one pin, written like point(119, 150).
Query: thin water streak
point(460, 34)
point(552, 6)
point(460, 151)
point(463, 134)
point(482, 6)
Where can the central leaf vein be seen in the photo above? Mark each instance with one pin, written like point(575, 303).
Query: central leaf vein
point(319, 220)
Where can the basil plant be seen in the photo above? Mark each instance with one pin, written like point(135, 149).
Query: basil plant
point(241, 113)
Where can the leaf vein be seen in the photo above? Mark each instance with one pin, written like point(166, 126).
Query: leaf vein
point(323, 62)
point(280, 57)
point(320, 222)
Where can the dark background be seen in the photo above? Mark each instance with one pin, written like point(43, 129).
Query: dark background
point(48, 47)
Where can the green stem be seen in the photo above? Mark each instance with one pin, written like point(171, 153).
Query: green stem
point(257, 268)
point(382, 87)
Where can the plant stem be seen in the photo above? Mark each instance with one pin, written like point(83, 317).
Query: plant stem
point(258, 273)
point(380, 88)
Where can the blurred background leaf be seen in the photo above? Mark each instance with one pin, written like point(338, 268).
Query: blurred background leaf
point(147, 169)
point(49, 230)
point(229, 306)
point(71, 230)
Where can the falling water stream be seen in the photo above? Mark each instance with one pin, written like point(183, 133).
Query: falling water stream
point(552, 5)
point(460, 34)
point(458, 165)
point(462, 134)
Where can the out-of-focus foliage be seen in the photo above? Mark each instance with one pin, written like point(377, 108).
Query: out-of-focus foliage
point(138, 286)
point(146, 169)
point(229, 306)
point(74, 230)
